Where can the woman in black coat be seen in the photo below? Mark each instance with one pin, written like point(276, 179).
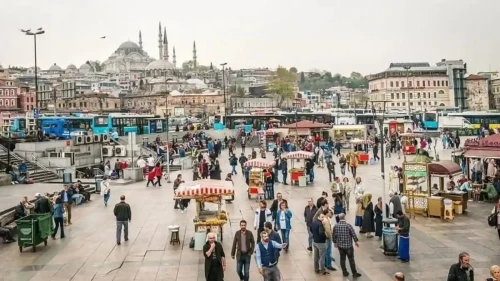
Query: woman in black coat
point(368, 215)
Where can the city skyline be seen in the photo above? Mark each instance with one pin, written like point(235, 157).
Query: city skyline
point(365, 37)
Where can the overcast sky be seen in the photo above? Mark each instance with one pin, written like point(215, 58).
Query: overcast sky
point(338, 36)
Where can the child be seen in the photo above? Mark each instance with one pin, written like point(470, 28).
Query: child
point(106, 192)
point(151, 178)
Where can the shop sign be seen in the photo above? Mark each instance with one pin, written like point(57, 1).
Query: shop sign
point(481, 143)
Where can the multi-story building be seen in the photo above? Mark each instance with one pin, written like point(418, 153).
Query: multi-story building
point(27, 99)
point(411, 86)
point(495, 89)
point(9, 96)
point(456, 71)
point(477, 92)
point(253, 104)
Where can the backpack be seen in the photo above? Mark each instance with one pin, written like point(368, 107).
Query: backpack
point(493, 219)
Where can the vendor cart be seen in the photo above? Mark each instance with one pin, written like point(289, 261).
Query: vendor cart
point(207, 191)
point(256, 181)
point(407, 142)
point(296, 173)
point(33, 230)
point(363, 157)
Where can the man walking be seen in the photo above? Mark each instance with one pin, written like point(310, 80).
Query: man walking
point(123, 215)
point(331, 169)
point(66, 195)
point(265, 257)
point(309, 212)
point(284, 169)
point(319, 245)
point(343, 235)
point(243, 247)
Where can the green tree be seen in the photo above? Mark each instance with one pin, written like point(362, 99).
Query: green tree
point(232, 89)
point(293, 69)
point(283, 85)
point(240, 91)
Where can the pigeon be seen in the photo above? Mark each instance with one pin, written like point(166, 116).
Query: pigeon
point(22, 30)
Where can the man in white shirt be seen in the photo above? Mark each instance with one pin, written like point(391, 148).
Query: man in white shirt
point(151, 162)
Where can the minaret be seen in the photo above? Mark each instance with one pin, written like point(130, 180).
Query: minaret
point(174, 57)
point(165, 44)
point(194, 55)
point(140, 39)
point(160, 45)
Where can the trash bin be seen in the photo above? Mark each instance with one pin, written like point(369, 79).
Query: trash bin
point(33, 230)
point(390, 239)
point(67, 178)
point(388, 221)
point(98, 183)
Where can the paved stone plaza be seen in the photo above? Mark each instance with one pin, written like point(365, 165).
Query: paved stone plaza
point(89, 251)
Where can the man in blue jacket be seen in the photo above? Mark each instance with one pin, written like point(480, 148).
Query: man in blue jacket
point(265, 257)
point(319, 244)
point(66, 194)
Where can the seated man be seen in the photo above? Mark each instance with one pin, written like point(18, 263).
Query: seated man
point(81, 190)
point(6, 235)
point(488, 193)
point(77, 197)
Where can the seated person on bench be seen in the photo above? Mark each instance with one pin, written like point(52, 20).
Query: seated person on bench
point(79, 189)
point(78, 198)
point(6, 235)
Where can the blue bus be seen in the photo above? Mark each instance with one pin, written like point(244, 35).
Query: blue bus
point(430, 120)
point(19, 129)
point(128, 123)
point(65, 127)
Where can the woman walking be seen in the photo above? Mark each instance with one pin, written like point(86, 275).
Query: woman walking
point(106, 191)
point(283, 224)
point(368, 215)
point(347, 193)
point(338, 207)
point(358, 195)
point(58, 218)
point(354, 165)
point(378, 218)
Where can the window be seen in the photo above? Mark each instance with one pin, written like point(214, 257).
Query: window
point(403, 95)
point(7, 103)
point(411, 95)
point(12, 92)
point(392, 84)
point(425, 103)
point(446, 83)
point(397, 84)
point(439, 83)
point(392, 96)
point(435, 103)
point(409, 84)
point(397, 96)
point(1, 102)
point(418, 83)
point(402, 84)
point(13, 102)
point(418, 95)
point(411, 103)
point(428, 83)
point(397, 104)
point(404, 103)
point(434, 83)
point(392, 104)
point(419, 103)
point(1, 92)
point(435, 96)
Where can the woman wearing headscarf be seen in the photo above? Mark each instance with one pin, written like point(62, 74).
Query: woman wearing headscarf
point(368, 225)
point(358, 194)
point(378, 218)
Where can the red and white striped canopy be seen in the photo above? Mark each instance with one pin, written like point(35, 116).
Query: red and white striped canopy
point(299, 155)
point(259, 163)
point(204, 188)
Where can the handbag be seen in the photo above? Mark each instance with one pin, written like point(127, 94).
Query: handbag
point(493, 219)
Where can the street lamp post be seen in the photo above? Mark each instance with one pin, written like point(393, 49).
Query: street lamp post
point(39, 31)
point(167, 114)
point(380, 120)
point(224, 89)
point(407, 68)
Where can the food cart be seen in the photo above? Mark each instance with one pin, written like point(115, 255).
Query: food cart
point(345, 133)
point(296, 173)
point(207, 191)
point(267, 139)
point(407, 140)
point(363, 157)
point(256, 181)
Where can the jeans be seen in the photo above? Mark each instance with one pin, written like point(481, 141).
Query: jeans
point(78, 198)
point(285, 175)
point(233, 170)
point(59, 223)
point(310, 238)
point(353, 171)
point(319, 256)
point(271, 273)
point(328, 255)
point(349, 252)
point(243, 267)
point(331, 176)
point(311, 176)
point(285, 236)
point(276, 178)
point(106, 198)
point(342, 170)
point(119, 225)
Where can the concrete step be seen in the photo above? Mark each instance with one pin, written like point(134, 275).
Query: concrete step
point(35, 172)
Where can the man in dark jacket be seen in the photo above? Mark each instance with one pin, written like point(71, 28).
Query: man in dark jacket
point(42, 204)
point(319, 245)
point(243, 159)
point(331, 169)
point(284, 169)
point(123, 215)
point(309, 212)
point(243, 248)
point(273, 236)
point(276, 204)
point(461, 271)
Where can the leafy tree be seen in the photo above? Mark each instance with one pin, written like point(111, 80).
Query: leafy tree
point(321, 80)
point(356, 75)
point(232, 89)
point(240, 91)
point(96, 65)
point(283, 85)
point(302, 77)
point(293, 69)
point(188, 66)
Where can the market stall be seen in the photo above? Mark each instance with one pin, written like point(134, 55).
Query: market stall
point(308, 128)
point(488, 147)
point(267, 139)
point(408, 140)
point(417, 176)
point(256, 181)
point(363, 157)
point(345, 133)
point(207, 191)
point(297, 173)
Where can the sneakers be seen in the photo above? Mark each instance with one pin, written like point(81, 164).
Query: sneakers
point(309, 249)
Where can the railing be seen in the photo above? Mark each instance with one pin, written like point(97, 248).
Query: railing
point(42, 167)
point(12, 154)
point(148, 151)
point(33, 157)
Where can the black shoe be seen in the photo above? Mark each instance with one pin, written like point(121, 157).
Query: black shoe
point(317, 271)
point(345, 273)
point(356, 275)
point(126, 240)
point(7, 241)
point(309, 249)
point(331, 268)
point(118, 243)
point(325, 273)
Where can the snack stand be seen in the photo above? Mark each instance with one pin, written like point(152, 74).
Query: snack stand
point(345, 133)
point(256, 181)
point(267, 139)
point(207, 191)
point(407, 142)
point(307, 128)
point(296, 173)
point(363, 158)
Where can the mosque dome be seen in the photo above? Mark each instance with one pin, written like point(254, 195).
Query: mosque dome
point(160, 65)
point(55, 67)
point(71, 67)
point(128, 45)
point(85, 67)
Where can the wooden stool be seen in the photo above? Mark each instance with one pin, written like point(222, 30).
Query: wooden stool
point(174, 237)
point(448, 210)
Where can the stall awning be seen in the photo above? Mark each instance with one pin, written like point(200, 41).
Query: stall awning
point(444, 168)
point(300, 132)
point(475, 153)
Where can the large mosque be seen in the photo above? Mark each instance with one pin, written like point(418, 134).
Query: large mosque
point(130, 57)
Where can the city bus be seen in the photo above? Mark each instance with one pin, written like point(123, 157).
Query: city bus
point(480, 119)
point(430, 119)
point(249, 122)
point(124, 124)
point(65, 127)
